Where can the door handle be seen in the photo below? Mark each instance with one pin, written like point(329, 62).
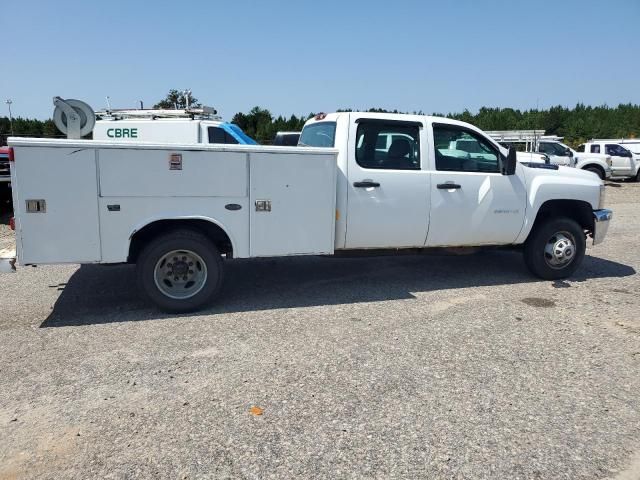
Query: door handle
point(366, 184)
point(448, 186)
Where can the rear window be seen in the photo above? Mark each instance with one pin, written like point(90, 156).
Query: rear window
point(320, 134)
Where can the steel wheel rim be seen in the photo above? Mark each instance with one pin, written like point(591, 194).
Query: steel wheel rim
point(560, 250)
point(180, 274)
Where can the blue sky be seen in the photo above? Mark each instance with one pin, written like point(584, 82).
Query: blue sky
point(320, 55)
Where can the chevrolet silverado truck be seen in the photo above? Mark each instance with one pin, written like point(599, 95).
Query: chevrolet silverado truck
point(357, 181)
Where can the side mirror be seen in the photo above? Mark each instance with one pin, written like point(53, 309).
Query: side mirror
point(568, 153)
point(509, 162)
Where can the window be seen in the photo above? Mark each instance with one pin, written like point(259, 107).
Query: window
point(459, 149)
point(581, 148)
point(552, 149)
point(388, 145)
point(320, 134)
point(218, 135)
point(595, 148)
point(616, 150)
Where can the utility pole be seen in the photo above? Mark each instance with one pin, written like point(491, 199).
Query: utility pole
point(9, 102)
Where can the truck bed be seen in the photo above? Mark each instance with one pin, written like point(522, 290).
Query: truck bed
point(88, 198)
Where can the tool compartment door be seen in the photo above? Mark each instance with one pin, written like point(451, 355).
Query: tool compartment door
point(63, 181)
point(292, 203)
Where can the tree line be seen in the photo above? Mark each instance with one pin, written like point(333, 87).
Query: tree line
point(576, 124)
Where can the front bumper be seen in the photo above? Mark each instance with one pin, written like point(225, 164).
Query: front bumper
point(601, 219)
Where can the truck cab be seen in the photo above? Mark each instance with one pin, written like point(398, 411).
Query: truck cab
point(439, 182)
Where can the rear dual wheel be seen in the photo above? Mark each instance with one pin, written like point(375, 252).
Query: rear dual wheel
point(180, 271)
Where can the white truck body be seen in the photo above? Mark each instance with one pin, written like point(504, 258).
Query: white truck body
point(630, 144)
point(190, 126)
point(89, 201)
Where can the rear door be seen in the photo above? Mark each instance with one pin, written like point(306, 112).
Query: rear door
point(472, 203)
point(388, 191)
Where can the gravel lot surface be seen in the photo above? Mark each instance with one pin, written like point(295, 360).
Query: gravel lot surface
point(432, 366)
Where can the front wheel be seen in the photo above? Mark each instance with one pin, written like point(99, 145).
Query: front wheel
point(180, 271)
point(555, 248)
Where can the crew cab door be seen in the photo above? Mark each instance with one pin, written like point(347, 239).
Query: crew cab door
point(388, 192)
point(472, 203)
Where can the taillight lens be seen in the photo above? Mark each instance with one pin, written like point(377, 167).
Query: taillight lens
point(12, 158)
point(12, 223)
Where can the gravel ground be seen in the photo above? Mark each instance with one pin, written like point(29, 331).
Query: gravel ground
point(433, 366)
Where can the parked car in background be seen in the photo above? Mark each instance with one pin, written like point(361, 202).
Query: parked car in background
point(286, 139)
point(631, 144)
point(5, 175)
point(623, 162)
point(535, 141)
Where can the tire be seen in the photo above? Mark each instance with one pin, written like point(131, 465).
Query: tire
point(555, 248)
point(597, 170)
point(637, 177)
point(180, 271)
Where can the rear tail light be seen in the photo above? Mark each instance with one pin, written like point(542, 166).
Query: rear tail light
point(12, 157)
point(12, 223)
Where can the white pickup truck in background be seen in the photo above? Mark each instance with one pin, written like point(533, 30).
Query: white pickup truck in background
point(557, 152)
point(363, 181)
point(625, 154)
point(623, 162)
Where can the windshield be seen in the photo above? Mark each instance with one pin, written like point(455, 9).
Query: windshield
point(320, 134)
point(246, 139)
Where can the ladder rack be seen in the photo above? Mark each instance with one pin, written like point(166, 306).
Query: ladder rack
point(201, 113)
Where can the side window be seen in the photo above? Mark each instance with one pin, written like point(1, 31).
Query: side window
point(459, 149)
point(615, 150)
point(389, 145)
point(228, 139)
point(595, 148)
point(218, 135)
point(581, 148)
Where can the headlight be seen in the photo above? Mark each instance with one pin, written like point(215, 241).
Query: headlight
point(601, 202)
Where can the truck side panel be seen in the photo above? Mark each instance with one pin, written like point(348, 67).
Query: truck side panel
point(179, 173)
point(137, 212)
point(301, 191)
point(64, 181)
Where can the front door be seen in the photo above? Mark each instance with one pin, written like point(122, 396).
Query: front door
point(388, 192)
point(556, 152)
point(621, 159)
point(472, 203)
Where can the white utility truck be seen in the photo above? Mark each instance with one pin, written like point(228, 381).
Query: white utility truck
point(557, 152)
point(189, 125)
point(178, 211)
